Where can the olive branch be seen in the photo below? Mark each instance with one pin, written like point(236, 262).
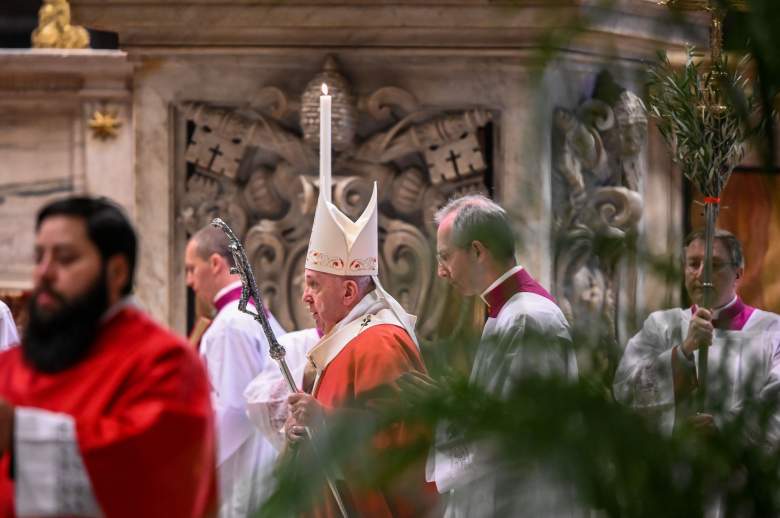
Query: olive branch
point(703, 116)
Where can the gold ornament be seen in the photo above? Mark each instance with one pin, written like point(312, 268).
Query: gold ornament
point(54, 29)
point(717, 12)
point(104, 124)
point(712, 98)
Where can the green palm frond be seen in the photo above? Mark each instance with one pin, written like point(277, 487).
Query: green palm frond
point(704, 117)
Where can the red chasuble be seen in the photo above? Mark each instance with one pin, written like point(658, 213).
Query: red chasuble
point(143, 419)
point(375, 357)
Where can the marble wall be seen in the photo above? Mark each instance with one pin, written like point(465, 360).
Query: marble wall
point(467, 53)
point(47, 148)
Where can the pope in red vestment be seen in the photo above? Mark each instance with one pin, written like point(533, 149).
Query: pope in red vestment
point(368, 343)
point(366, 347)
point(143, 421)
point(375, 357)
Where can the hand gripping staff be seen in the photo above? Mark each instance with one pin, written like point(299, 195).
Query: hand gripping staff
point(249, 290)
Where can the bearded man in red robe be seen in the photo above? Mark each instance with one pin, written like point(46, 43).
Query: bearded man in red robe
point(102, 411)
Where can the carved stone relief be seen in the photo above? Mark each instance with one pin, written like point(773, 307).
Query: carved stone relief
point(597, 150)
point(256, 166)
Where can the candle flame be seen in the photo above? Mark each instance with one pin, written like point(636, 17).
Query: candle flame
point(324, 89)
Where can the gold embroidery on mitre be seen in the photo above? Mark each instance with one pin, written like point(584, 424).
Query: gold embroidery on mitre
point(368, 263)
point(317, 258)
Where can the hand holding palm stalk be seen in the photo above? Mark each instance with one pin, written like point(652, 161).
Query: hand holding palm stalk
point(249, 290)
point(702, 116)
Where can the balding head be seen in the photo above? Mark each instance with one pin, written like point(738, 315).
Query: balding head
point(477, 218)
point(211, 240)
point(474, 243)
point(208, 261)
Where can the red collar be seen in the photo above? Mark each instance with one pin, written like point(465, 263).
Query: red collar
point(733, 318)
point(521, 281)
point(230, 296)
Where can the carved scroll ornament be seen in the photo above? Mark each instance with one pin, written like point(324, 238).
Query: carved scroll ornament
point(597, 151)
point(261, 176)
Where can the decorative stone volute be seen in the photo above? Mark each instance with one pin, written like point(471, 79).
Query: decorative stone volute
point(250, 165)
point(597, 159)
point(408, 190)
point(343, 109)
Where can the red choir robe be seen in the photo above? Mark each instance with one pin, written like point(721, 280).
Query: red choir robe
point(375, 357)
point(142, 415)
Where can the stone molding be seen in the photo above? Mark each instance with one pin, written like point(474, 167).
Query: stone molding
point(84, 73)
point(638, 25)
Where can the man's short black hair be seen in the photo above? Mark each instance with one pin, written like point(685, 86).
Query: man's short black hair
point(107, 227)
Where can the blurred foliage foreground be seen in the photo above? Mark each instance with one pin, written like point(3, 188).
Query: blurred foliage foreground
point(618, 462)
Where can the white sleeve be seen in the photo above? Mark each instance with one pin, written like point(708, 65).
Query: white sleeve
point(535, 345)
point(644, 378)
point(453, 462)
point(51, 479)
point(232, 360)
point(267, 395)
point(768, 434)
point(266, 400)
point(8, 334)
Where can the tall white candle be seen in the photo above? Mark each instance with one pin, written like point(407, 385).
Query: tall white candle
point(325, 143)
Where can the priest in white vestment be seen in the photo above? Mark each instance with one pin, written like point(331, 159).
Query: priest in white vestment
point(8, 333)
point(657, 374)
point(235, 351)
point(525, 334)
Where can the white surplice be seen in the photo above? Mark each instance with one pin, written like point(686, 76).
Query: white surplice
point(267, 394)
point(529, 335)
point(741, 364)
point(8, 333)
point(235, 351)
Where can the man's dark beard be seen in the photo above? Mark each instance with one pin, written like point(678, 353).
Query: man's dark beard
point(54, 342)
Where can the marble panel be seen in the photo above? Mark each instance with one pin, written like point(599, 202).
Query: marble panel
point(37, 165)
point(47, 149)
